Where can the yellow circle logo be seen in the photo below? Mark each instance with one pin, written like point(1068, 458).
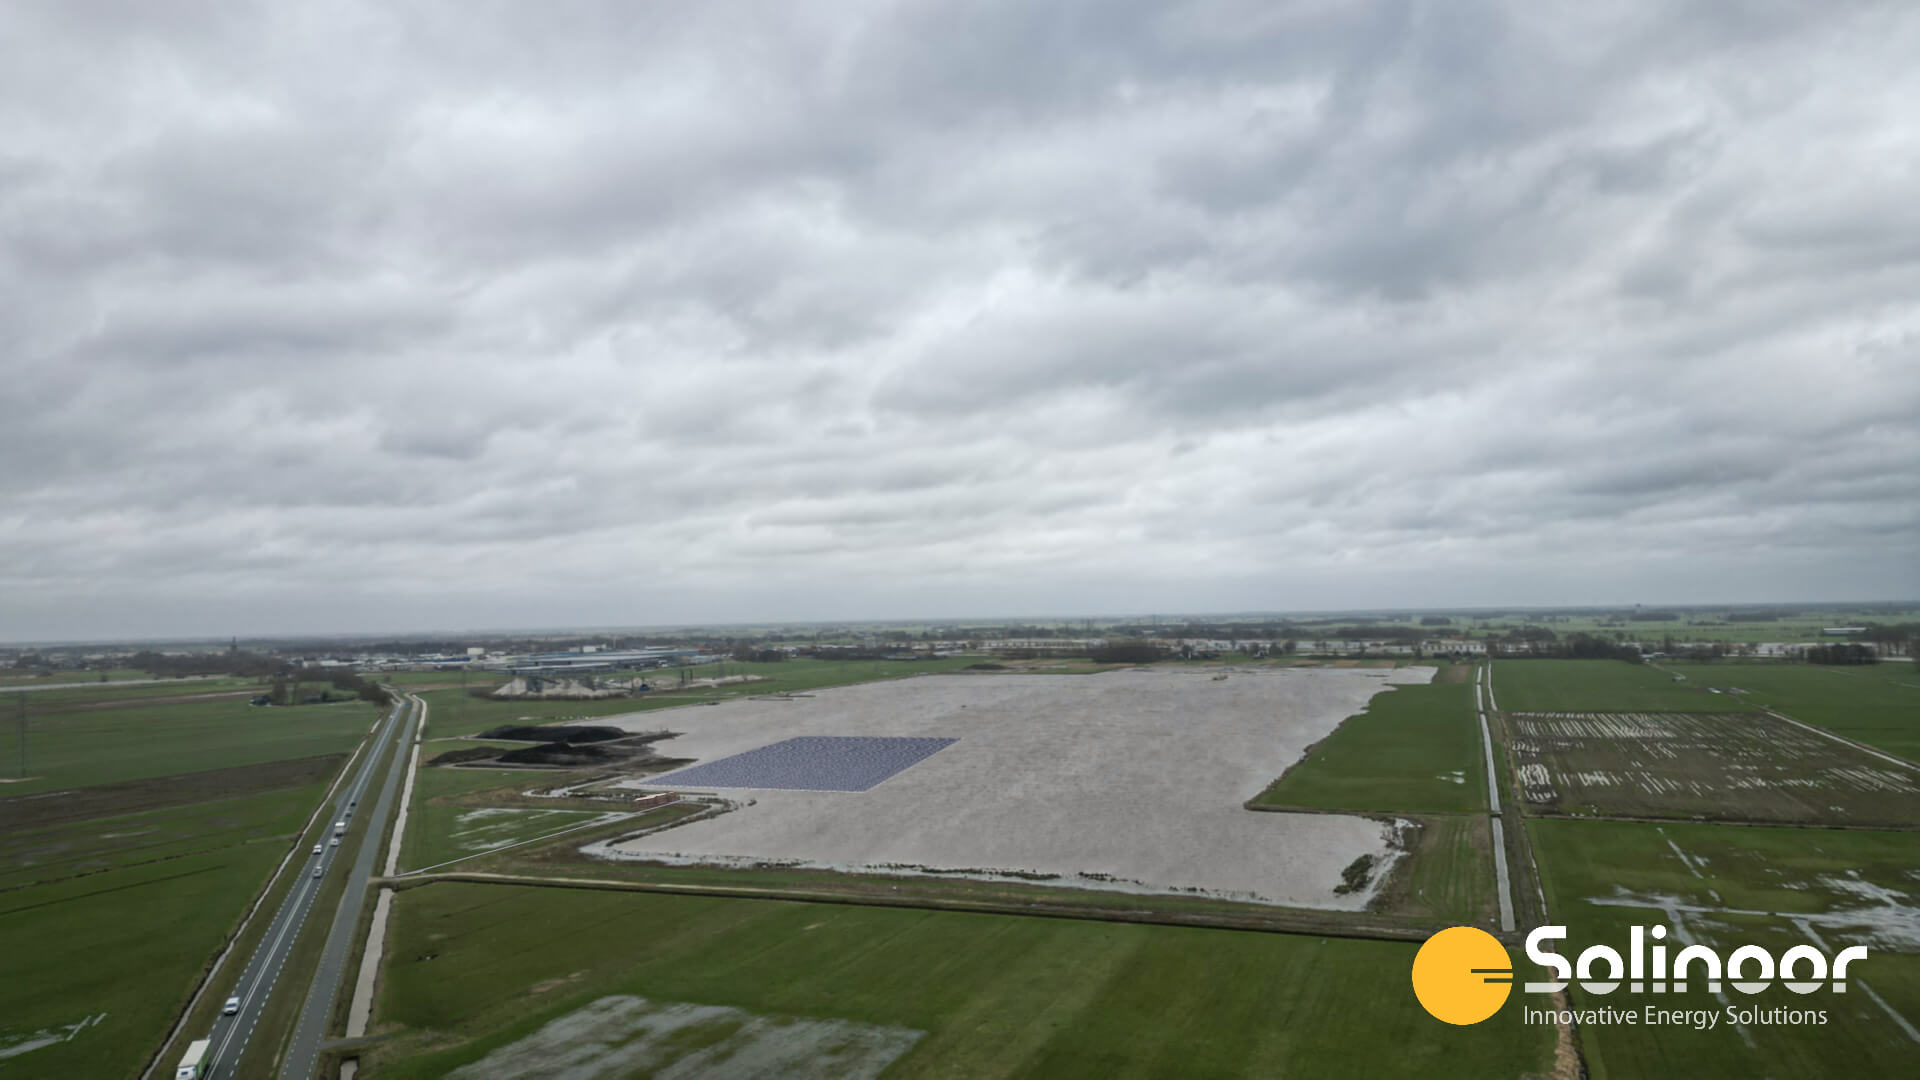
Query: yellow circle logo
point(1462, 975)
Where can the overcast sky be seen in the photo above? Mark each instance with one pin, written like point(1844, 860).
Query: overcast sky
point(337, 317)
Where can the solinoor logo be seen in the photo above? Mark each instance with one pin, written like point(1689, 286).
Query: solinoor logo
point(1462, 975)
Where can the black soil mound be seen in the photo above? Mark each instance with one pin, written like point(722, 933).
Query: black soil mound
point(572, 755)
point(470, 753)
point(553, 733)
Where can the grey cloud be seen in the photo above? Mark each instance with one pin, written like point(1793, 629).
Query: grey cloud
point(874, 309)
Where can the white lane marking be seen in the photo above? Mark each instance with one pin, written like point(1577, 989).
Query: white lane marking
point(246, 997)
point(304, 892)
point(300, 1062)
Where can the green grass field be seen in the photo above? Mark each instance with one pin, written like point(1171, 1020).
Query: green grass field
point(440, 834)
point(440, 825)
point(1592, 868)
point(114, 898)
point(1415, 749)
point(1450, 878)
point(1877, 704)
point(107, 694)
point(81, 748)
point(473, 967)
point(15, 677)
point(1599, 686)
point(125, 943)
point(31, 855)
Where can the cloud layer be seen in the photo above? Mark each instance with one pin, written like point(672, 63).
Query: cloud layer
point(334, 317)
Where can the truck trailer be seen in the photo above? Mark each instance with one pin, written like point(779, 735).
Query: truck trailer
point(193, 1065)
point(339, 828)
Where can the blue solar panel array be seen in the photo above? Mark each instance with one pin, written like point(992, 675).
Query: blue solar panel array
point(811, 763)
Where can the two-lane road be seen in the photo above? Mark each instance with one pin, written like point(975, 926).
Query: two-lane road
point(231, 1034)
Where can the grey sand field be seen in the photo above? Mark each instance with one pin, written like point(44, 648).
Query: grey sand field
point(1131, 780)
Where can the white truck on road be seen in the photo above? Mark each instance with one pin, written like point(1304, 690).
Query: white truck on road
point(193, 1065)
point(339, 828)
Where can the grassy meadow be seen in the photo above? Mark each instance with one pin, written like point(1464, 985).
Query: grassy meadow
point(1414, 749)
point(138, 741)
point(1603, 877)
point(1877, 704)
point(1599, 686)
point(94, 923)
point(474, 967)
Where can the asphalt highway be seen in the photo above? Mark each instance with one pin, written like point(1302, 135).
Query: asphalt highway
point(303, 1052)
point(231, 1034)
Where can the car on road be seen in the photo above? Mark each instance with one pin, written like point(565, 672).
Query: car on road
point(336, 841)
point(316, 871)
point(318, 848)
point(232, 1006)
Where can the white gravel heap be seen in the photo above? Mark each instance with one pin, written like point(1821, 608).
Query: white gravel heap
point(1131, 780)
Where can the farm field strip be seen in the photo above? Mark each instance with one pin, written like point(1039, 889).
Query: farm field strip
point(75, 849)
point(73, 750)
point(996, 995)
point(1871, 704)
point(1727, 886)
point(1731, 766)
point(1601, 685)
point(486, 830)
point(1410, 750)
point(126, 942)
point(1837, 737)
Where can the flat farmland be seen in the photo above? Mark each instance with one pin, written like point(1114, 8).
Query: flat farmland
point(11, 677)
point(461, 832)
point(1447, 877)
point(106, 923)
point(1728, 886)
point(1415, 749)
point(107, 695)
point(444, 797)
point(149, 740)
point(1612, 685)
point(474, 968)
point(32, 854)
point(1710, 766)
point(149, 826)
point(1877, 704)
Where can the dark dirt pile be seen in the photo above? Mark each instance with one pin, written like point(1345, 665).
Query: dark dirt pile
point(560, 746)
point(554, 733)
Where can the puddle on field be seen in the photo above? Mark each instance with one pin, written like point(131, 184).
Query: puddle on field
point(15, 1045)
point(1887, 920)
point(489, 828)
point(624, 1035)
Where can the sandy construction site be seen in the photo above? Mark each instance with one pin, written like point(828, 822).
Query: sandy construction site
point(1131, 780)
